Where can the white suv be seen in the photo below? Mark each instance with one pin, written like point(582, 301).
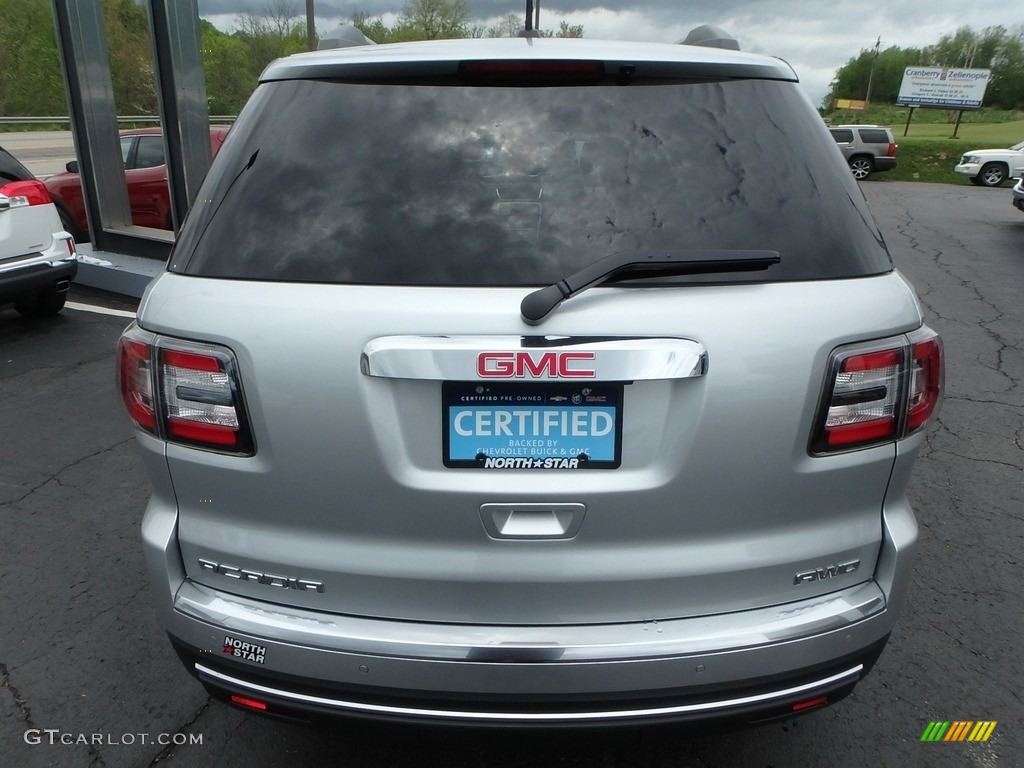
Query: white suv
point(37, 257)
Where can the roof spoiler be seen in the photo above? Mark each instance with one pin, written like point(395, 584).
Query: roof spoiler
point(711, 36)
point(344, 36)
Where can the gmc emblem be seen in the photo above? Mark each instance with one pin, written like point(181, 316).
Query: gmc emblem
point(521, 365)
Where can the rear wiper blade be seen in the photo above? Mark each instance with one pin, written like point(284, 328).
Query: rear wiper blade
point(542, 302)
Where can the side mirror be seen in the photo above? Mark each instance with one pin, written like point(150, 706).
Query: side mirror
point(71, 167)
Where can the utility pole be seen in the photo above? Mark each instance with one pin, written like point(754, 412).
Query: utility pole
point(311, 40)
point(871, 77)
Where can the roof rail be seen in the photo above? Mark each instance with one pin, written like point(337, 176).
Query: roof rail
point(711, 36)
point(344, 36)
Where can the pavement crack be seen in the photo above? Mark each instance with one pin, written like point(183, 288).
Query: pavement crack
point(55, 477)
point(169, 749)
point(19, 701)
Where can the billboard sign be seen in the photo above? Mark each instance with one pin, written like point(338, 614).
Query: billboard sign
point(947, 87)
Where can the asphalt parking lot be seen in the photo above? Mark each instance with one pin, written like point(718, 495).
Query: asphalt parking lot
point(83, 661)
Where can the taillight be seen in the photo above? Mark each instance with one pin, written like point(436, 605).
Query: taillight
point(891, 152)
point(879, 392)
point(135, 380)
point(183, 392)
point(24, 193)
point(926, 376)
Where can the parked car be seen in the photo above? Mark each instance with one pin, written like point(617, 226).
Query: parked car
point(867, 148)
point(145, 171)
point(37, 257)
point(991, 167)
point(504, 382)
point(1018, 195)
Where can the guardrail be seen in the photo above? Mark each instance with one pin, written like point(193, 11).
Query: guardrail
point(65, 120)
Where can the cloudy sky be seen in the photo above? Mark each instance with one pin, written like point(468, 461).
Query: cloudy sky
point(815, 36)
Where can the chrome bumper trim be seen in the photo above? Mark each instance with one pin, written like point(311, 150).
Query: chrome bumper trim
point(564, 643)
point(850, 675)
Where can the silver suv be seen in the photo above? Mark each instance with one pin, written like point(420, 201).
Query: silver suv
point(502, 381)
point(866, 148)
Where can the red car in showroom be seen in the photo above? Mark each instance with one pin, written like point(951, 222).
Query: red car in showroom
point(145, 171)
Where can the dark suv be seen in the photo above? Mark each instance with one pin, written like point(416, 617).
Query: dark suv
point(504, 382)
point(867, 148)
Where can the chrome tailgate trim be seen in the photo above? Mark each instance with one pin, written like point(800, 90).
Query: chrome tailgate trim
point(542, 358)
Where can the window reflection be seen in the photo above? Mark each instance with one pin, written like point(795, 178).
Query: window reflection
point(522, 186)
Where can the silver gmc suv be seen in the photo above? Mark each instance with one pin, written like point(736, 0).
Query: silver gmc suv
point(504, 382)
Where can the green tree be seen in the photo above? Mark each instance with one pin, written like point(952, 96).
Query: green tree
point(31, 82)
point(228, 70)
point(851, 80)
point(508, 26)
point(131, 57)
point(433, 20)
point(30, 78)
point(374, 28)
point(565, 29)
point(993, 48)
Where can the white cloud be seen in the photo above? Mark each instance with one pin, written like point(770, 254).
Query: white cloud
point(815, 36)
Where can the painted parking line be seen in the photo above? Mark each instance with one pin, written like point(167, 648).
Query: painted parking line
point(99, 310)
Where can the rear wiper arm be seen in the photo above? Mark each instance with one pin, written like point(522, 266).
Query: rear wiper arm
point(542, 302)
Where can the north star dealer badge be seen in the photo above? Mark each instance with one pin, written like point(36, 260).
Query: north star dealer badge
point(243, 650)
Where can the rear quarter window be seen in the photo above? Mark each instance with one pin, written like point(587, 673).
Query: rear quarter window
point(842, 135)
point(325, 181)
point(873, 136)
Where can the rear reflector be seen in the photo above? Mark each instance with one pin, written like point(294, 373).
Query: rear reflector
point(183, 392)
point(248, 703)
point(817, 701)
point(879, 392)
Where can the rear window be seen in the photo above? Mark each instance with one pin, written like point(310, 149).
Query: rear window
point(323, 181)
point(874, 136)
point(842, 134)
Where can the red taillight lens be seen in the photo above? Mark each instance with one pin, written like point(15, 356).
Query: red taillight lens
point(183, 392)
point(24, 193)
point(892, 149)
point(136, 381)
point(879, 392)
point(926, 374)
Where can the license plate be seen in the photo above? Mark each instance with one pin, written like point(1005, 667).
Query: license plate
point(532, 426)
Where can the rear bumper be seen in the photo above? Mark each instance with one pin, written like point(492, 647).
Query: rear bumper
point(885, 163)
point(308, 700)
point(747, 665)
point(39, 277)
